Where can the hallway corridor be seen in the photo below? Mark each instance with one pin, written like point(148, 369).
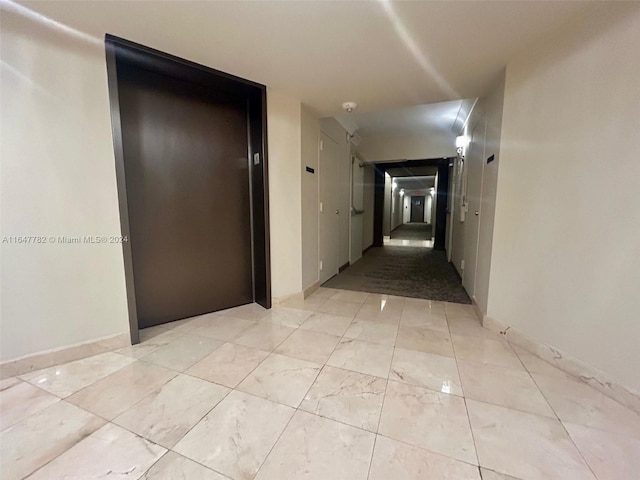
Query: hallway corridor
point(341, 386)
point(416, 272)
point(412, 231)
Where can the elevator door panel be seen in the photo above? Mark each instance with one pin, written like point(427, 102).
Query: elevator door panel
point(187, 179)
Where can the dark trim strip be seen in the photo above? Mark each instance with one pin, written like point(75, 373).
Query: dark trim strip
point(114, 101)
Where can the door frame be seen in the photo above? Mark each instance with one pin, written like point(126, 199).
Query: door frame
point(442, 193)
point(119, 50)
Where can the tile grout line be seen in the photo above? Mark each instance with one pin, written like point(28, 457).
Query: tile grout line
point(464, 398)
point(296, 409)
point(384, 396)
point(178, 372)
point(564, 428)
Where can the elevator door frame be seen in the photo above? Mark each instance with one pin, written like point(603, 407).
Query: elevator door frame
point(120, 50)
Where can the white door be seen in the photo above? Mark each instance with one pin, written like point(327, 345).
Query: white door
point(329, 226)
point(474, 164)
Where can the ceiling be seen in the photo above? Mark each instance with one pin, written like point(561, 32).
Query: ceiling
point(415, 183)
point(381, 55)
point(421, 118)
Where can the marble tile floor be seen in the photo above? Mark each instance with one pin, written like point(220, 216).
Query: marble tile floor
point(342, 385)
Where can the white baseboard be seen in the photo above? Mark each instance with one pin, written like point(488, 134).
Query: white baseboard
point(477, 309)
point(585, 373)
point(311, 289)
point(275, 301)
point(61, 355)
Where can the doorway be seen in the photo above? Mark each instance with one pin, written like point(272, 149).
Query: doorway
point(417, 208)
point(190, 157)
point(329, 212)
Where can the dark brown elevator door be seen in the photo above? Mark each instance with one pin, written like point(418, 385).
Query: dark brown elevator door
point(186, 169)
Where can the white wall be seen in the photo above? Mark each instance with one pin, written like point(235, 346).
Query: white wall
point(457, 225)
point(565, 268)
point(310, 131)
point(492, 105)
point(406, 209)
point(58, 178)
point(284, 118)
point(396, 207)
point(333, 129)
point(386, 214)
point(413, 146)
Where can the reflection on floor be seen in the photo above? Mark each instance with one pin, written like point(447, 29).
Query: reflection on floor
point(405, 271)
point(342, 385)
point(412, 231)
point(401, 242)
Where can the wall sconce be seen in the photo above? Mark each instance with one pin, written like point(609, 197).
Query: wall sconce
point(462, 142)
point(402, 192)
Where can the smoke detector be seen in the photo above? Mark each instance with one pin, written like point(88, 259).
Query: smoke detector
point(349, 106)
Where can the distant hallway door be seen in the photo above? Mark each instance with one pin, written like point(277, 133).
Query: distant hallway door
point(329, 220)
point(417, 208)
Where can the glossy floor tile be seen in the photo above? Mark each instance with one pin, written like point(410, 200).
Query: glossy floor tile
point(176, 467)
point(427, 419)
point(22, 400)
point(66, 379)
point(426, 370)
point(503, 386)
point(118, 392)
point(400, 461)
point(309, 345)
point(167, 414)
point(524, 445)
point(40, 438)
point(348, 397)
point(317, 448)
point(110, 452)
point(228, 365)
point(363, 357)
point(236, 436)
point(341, 385)
point(281, 379)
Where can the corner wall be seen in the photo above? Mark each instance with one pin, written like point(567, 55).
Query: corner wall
point(310, 130)
point(58, 179)
point(566, 247)
point(284, 117)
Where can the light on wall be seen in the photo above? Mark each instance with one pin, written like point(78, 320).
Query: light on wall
point(395, 185)
point(402, 192)
point(462, 142)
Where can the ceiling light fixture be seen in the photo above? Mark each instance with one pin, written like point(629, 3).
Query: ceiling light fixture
point(349, 106)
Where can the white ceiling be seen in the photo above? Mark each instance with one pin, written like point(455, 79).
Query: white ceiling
point(378, 54)
point(433, 117)
point(415, 183)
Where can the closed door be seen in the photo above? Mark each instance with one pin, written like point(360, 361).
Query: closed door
point(329, 213)
point(417, 208)
point(474, 167)
point(187, 179)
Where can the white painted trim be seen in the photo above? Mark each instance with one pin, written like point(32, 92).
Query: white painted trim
point(585, 373)
point(60, 355)
point(311, 289)
point(293, 296)
point(477, 310)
